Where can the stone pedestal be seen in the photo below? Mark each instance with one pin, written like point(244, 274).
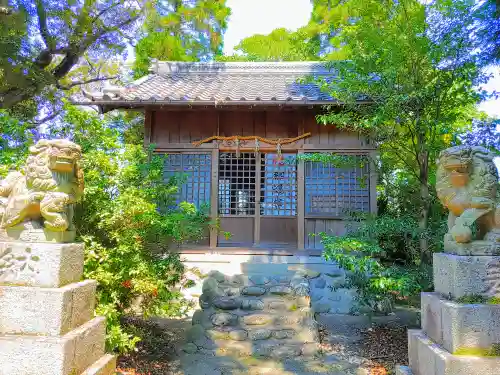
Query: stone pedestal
point(458, 338)
point(47, 323)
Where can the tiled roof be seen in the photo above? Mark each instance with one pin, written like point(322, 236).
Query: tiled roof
point(221, 83)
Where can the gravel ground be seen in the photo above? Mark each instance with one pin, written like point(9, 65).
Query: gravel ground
point(350, 345)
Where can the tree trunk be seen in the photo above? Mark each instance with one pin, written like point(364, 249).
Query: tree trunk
point(425, 205)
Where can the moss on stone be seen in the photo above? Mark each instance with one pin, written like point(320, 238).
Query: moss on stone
point(494, 301)
point(472, 299)
point(492, 351)
point(478, 299)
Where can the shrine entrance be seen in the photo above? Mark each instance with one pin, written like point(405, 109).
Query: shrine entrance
point(257, 199)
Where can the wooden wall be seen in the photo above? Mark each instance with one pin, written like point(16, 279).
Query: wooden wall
point(173, 128)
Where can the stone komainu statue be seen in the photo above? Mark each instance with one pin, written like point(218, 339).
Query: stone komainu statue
point(466, 184)
point(45, 194)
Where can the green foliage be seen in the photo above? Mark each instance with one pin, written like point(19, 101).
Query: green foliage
point(417, 94)
point(42, 41)
point(382, 259)
point(336, 160)
point(378, 285)
point(279, 45)
point(181, 31)
point(127, 226)
point(15, 138)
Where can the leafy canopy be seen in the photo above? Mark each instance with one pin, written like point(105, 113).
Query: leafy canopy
point(43, 40)
point(181, 30)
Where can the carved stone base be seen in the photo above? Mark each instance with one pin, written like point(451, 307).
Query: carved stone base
point(70, 354)
point(20, 233)
point(471, 248)
point(428, 358)
point(40, 264)
point(456, 276)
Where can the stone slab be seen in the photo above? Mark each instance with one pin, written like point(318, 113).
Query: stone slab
point(403, 370)
point(457, 326)
point(428, 358)
point(70, 354)
point(458, 275)
point(46, 311)
point(106, 365)
point(23, 234)
point(50, 265)
point(471, 248)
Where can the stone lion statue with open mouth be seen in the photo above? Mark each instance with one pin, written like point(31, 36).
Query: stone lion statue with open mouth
point(467, 182)
point(45, 193)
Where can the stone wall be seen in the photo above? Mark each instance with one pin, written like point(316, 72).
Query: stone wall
point(255, 315)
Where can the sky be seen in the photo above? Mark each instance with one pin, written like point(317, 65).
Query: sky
point(251, 17)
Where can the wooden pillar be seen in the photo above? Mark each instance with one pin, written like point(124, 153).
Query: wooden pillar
point(214, 196)
point(300, 202)
point(148, 125)
point(256, 234)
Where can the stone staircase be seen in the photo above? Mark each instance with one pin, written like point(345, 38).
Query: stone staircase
point(255, 316)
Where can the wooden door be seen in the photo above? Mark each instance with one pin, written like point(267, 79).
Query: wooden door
point(257, 200)
point(278, 201)
point(237, 190)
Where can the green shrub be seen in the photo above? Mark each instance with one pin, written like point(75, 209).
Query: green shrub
point(129, 222)
point(128, 219)
point(379, 286)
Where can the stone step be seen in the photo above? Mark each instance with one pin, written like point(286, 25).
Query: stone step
point(70, 354)
point(271, 348)
point(428, 358)
point(460, 326)
point(106, 365)
point(306, 333)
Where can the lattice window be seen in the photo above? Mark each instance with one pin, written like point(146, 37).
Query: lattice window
point(237, 178)
point(331, 191)
point(278, 185)
point(193, 170)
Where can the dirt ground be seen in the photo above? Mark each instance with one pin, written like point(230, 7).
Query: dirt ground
point(349, 345)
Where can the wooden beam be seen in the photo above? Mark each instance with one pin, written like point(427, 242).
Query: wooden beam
point(214, 197)
point(186, 146)
point(300, 203)
point(338, 148)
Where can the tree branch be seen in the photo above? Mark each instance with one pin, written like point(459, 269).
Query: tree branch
point(99, 14)
point(76, 51)
point(79, 83)
point(48, 118)
point(42, 23)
